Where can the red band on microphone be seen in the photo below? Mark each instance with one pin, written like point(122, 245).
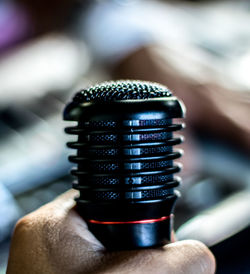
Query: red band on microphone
point(149, 221)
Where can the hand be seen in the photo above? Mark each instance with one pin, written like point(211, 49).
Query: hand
point(55, 239)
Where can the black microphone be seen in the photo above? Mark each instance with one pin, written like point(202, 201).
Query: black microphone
point(125, 169)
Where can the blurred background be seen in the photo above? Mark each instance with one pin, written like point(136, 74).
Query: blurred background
point(49, 49)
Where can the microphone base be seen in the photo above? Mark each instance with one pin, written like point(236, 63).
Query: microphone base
point(127, 236)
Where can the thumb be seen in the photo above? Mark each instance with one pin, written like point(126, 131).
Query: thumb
point(177, 258)
point(188, 257)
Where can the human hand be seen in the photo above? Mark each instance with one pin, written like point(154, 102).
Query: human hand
point(55, 239)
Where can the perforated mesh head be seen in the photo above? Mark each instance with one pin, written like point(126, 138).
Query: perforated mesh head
point(122, 90)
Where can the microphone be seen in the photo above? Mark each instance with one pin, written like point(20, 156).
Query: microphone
point(125, 169)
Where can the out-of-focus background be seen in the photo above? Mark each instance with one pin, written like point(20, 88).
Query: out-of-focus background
point(50, 49)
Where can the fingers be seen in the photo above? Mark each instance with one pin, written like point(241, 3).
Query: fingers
point(53, 239)
point(180, 257)
point(190, 257)
point(60, 215)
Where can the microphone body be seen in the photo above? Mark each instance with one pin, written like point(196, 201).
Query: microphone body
point(125, 169)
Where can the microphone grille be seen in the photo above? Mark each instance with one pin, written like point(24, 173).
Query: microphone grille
point(122, 90)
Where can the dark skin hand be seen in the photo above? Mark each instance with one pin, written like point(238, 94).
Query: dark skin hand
point(55, 239)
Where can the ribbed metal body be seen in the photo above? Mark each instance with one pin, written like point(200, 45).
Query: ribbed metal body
point(124, 160)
